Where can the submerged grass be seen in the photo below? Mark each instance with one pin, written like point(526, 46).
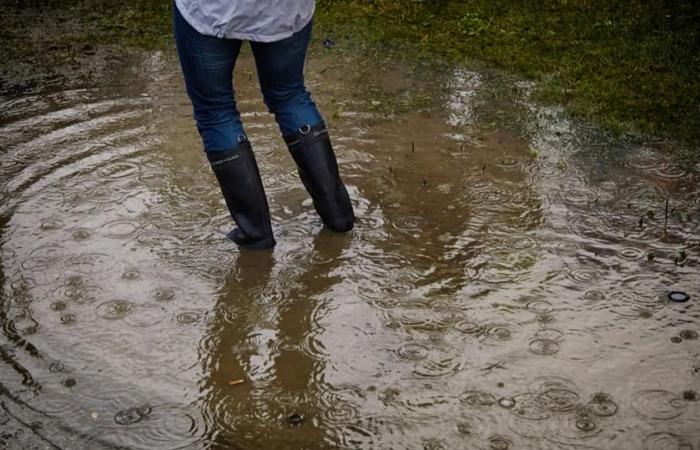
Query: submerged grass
point(629, 65)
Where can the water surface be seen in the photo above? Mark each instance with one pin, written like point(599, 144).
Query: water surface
point(506, 285)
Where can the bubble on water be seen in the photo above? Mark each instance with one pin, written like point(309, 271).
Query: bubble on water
point(131, 274)
point(163, 294)
point(132, 415)
point(412, 351)
point(602, 405)
point(498, 442)
point(81, 234)
point(58, 306)
point(434, 444)
point(475, 398)
point(57, 367)
point(114, 309)
point(506, 402)
point(68, 318)
point(658, 404)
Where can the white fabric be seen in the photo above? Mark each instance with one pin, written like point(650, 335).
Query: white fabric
point(250, 20)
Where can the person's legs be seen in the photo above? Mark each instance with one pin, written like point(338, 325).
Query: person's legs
point(280, 67)
point(207, 65)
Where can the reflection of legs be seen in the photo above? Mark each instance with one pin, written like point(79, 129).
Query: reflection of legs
point(207, 65)
point(280, 67)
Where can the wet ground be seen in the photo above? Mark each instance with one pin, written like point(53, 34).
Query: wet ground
point(506, 287)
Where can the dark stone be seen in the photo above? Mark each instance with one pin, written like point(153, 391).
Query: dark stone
point(295, 420)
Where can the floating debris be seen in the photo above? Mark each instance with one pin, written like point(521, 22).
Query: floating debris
point(678, 296)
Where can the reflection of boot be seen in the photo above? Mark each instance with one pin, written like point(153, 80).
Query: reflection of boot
point(312, 151)
point(239, 179)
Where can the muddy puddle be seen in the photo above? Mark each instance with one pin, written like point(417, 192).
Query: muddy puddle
point(506, 287)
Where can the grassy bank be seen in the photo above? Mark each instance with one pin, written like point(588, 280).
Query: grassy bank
point(628, 65)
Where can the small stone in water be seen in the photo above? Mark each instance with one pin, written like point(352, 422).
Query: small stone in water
point(295, 420)
point(690, 396)
point(69, 382)
point(676, 340)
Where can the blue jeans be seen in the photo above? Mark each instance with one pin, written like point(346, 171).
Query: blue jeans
point(207, 65)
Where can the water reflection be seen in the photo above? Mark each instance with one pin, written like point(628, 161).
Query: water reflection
point(263, 369)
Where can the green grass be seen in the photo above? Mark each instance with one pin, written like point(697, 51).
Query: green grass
point(629, 65)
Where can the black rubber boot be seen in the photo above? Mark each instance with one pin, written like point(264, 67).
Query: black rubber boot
point(312, 151)
point(239, 179)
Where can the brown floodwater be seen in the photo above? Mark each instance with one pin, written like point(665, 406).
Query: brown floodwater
point(506, 287)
